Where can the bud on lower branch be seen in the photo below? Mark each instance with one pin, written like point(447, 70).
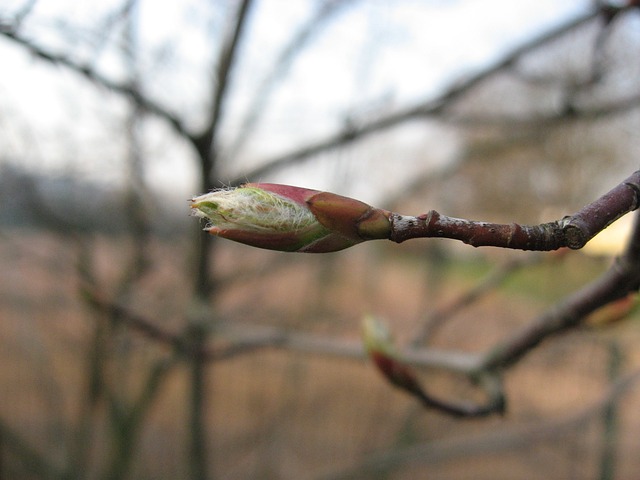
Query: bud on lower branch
point(380, 348)
point(292, 219)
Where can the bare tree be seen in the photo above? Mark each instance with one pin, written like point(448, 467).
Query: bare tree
point(556, 98)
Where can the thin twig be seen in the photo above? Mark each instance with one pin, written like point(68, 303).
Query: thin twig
point(275, 338)
point(30, 459)
point(440, 315)
point(139, 323)
point(325, 12)
point(206, 140)
point(622, 278)
point(486, 442)
point(86, 71)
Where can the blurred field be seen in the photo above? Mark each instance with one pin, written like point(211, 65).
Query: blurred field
point(276, 414)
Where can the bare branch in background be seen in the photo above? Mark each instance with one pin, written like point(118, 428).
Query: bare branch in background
point(622, 278)
point(486, 442)
point(86, 71)
point(196, 334)
point(254, 338)
point(202, 141)
point(22, 14)
point(439, 315)
point(316, 222)
point(29, 458)
point(571, 113)
point(428, 109)
point(206, 141)
point(137, 196)
point(280, 67)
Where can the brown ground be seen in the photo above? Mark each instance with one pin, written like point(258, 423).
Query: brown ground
point(275, 414)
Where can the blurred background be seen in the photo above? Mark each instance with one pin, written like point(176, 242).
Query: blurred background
point(132, 345)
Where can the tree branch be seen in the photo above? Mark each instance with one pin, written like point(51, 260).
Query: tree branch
point(205, 141)
point(27, 456)
point(621, 279)
point(87, 72)
point(121, 314)
point(274, 338)
point(573, 231)
point(281, 65)
point(439, 315)
point(458, 362)
point(488, 442)
point(569, 113)
point(425, 109)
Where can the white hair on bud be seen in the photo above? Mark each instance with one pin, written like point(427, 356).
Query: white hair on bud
point(251, 208)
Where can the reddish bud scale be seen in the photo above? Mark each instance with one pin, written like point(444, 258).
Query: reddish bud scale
point(292, 219)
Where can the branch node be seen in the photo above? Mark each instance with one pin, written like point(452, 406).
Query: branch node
point(636, 189)
point(575, 236)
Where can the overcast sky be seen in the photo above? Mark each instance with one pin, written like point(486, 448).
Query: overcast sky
point(373, 55)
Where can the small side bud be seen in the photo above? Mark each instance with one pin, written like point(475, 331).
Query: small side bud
point(380, 348)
